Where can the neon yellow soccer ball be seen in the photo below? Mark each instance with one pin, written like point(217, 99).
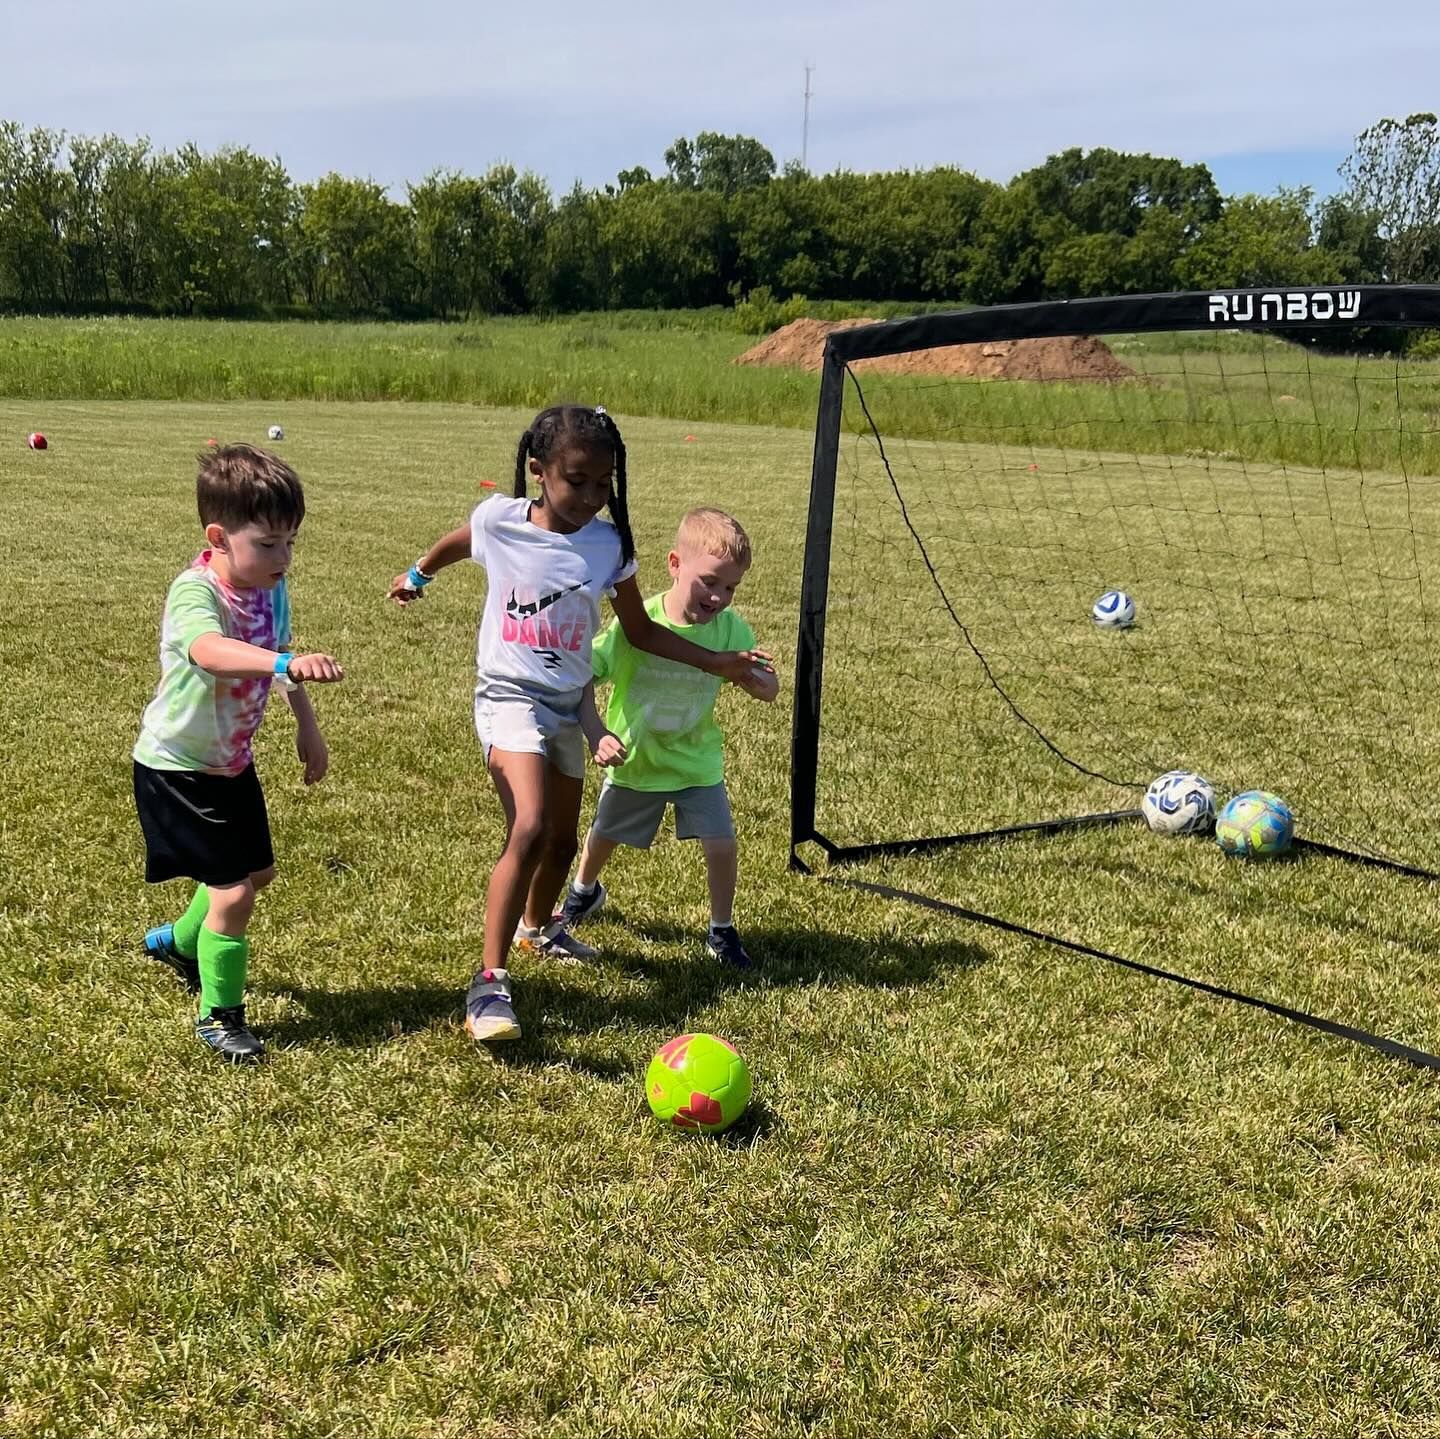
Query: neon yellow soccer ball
point(697, 1082)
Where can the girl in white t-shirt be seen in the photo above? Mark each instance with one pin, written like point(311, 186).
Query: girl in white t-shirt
point(548, 561)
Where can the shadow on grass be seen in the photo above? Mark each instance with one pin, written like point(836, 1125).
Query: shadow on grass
point(675, 988)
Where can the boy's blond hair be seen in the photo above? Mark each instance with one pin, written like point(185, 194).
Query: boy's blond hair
point(713, 532)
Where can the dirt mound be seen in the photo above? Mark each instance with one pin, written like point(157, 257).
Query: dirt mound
point(801, 343)
point(1069, 357)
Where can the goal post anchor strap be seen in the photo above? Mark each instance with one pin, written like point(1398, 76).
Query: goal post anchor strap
point(1392, 1047)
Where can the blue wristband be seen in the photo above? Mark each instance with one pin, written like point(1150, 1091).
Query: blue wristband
point(417, 577)
point(282, 665)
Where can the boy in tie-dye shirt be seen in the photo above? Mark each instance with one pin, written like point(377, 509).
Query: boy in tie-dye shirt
point(224, 641)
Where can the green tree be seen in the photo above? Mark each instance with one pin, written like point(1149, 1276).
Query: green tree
point(575, 269)
point(85, 276)
point(358, 246)
point(1108, 223)
point(1260, 240)
point(131, 216)
point(664, 246)
point(479, 242)
point(1107, 192)
point(1352, 235)
point(1007, 261)
point(1393, 174)
point(226, 227)
point(36, 194)
point(727, 163)
point(629, 179)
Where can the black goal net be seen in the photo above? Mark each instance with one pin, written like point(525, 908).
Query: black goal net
point(1255, 471)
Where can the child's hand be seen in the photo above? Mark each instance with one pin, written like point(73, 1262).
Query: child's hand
point(762, 683)
point(315, 669)
point(737, 666)
point(313, 751)
point(608, 750)
point(402, 591)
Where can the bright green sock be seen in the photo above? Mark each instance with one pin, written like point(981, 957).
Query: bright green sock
point(187, 927)
point(223, 961)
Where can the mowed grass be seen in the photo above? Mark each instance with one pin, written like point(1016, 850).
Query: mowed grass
point(985, 1189)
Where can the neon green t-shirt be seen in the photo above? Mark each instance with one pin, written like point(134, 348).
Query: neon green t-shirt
point(664, 712)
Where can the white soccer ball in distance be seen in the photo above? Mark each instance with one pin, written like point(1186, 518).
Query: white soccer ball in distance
point(1179, 802)
point(276, 432)
point(1114, 610)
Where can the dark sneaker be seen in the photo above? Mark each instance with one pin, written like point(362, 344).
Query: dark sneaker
point(725, 945)
point(225, 1031)
point(160, 946)
point(489, 1014)
point(579, 906)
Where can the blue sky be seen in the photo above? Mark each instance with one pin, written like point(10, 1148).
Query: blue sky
point(1265, 93)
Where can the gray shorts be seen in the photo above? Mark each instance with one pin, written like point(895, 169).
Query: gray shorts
point(632, 816)
point(529, 726)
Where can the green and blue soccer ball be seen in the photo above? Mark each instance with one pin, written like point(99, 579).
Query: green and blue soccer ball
point(1255, 823)
point(1114, 610)
point(698, 1082)
point(1179, 802)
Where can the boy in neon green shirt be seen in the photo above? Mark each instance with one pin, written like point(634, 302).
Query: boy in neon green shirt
point(664, 715)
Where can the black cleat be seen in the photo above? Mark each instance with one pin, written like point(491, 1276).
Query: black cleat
point(160, 946)
point(225, 1031)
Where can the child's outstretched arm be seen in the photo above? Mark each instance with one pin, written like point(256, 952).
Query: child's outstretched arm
point(229, 659)
point(604, 744)
point(644, 634)
point(448, 550)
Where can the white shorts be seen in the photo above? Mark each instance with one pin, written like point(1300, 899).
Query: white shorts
point(530, 726)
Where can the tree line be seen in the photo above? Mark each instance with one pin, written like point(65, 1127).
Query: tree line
point(109, 224)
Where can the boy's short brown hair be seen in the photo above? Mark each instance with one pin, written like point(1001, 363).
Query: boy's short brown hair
point(713, 532)
point(241, 485)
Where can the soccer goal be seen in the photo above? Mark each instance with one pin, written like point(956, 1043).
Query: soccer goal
point(1255, 469)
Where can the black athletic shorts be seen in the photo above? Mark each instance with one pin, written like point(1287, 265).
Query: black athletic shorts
point(211, 828)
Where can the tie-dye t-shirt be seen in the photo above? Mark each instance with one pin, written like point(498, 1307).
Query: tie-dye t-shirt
point(196, 721)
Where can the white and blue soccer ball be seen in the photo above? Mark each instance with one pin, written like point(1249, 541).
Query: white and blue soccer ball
point(1179, 802)
point(276, 432)
point(1114, 610)
point(1255, 823)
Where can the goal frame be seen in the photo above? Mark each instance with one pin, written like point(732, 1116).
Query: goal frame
point(1318, 308)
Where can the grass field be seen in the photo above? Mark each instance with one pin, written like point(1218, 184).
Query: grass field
point(1344, 410)
point(985, 1189)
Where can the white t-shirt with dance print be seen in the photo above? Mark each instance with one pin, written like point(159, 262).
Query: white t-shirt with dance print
point(542, 609)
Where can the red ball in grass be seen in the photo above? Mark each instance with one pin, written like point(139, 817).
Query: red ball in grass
point(37, 441)
point(487, 484)
point(212, 443)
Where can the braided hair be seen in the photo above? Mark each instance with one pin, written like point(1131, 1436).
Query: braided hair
point(590, 430)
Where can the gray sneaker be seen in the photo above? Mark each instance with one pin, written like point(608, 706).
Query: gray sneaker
point(579, 906)
point(555, 942)
point(489, 1015)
